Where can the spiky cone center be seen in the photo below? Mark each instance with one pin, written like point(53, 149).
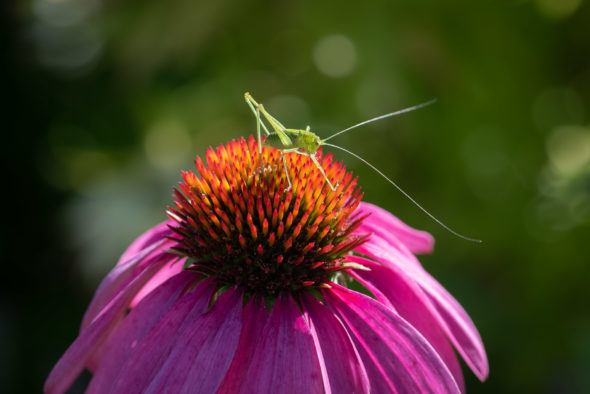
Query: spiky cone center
point(238, 223)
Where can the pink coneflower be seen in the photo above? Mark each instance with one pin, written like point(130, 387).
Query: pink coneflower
point(248, 288)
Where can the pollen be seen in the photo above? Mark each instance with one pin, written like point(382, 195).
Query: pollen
point(238, 223)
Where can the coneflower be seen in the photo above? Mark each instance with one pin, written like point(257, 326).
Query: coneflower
point(247, 288)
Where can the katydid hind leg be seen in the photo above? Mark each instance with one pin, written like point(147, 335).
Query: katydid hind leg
point(255, 107)
point(286, 171)
point(319, 166)
point(258, 122)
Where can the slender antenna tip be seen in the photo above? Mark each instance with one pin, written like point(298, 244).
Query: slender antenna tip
point(405, 194)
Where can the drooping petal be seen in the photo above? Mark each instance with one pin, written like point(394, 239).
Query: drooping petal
point(120, 276)
point(285, 359)
point(412, 304)
point(342, 368)
point(461, 329)
point(203, 354)
point(451, 315)
point(75, 358)
point(97, 354)
point(147, 240)
point(253, 321)
point(396, 356)
point(394, 230)
point(135, 326)
point(152, 351)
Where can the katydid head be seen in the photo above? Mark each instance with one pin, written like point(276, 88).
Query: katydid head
point(308, 141)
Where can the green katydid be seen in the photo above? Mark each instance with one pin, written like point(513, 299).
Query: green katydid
point(306, 143)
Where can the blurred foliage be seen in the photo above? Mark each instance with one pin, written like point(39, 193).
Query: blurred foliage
point(106, 101)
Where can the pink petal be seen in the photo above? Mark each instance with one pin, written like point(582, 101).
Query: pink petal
point(120, 276)
point(461, 329)
point(412, 304)
point(147, 240)
point(285, 360)
point(451, 315)
point(167, 272)
point(74, 359)
point(396, 356)
point(394, 230)
point(378, 246)
point(95, 358)
point(342, 368)
point(254, 320)
point(152, 351)
point(135, 326)
point(203, 354)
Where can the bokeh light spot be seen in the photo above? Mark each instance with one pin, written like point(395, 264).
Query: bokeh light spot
point(558, 8)
point(569, 149)
point(63, 13)
point(66, 35)
point(564, 197)
point(335, 56)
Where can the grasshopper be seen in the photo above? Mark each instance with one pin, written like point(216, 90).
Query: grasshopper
point(302, 142)
point(306, 143)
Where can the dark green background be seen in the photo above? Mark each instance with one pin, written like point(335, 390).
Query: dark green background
point(105, 102)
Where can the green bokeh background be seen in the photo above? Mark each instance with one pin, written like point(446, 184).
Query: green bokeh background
point(106, 101)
